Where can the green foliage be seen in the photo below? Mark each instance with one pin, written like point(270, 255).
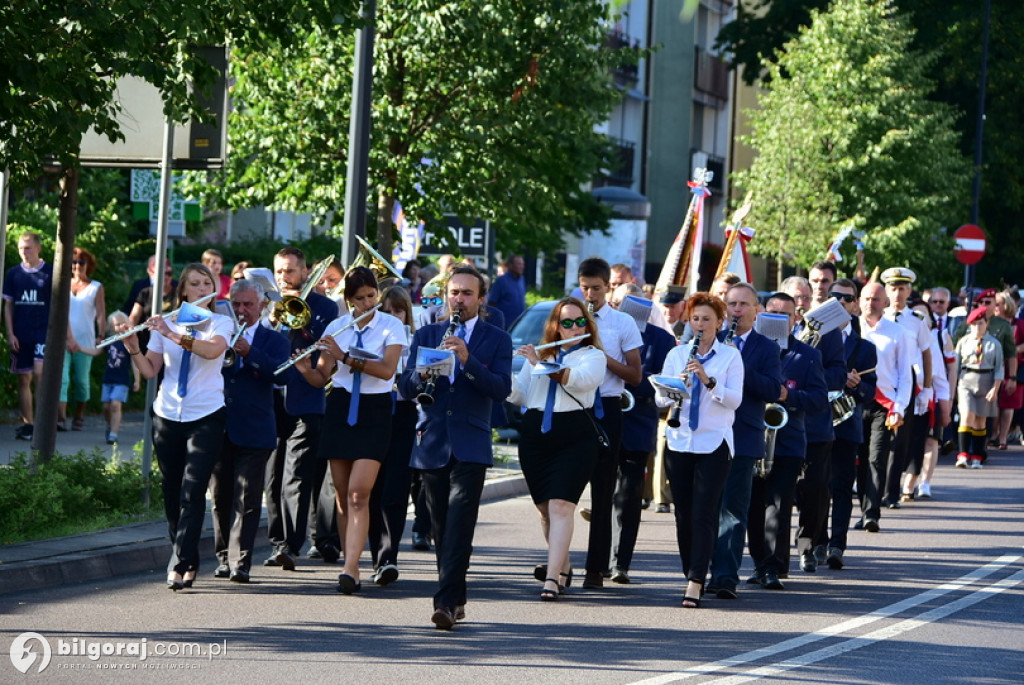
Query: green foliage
point(71, 493)
point(484, 110)
point(846, 135)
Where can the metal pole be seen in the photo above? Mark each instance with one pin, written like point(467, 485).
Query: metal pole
point(166, 170)
point(359, 135)
point(5, 180)
point(979, 138)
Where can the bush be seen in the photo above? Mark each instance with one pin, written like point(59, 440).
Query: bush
point(72, 493)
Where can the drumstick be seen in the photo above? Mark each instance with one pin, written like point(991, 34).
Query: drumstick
point(861, 373)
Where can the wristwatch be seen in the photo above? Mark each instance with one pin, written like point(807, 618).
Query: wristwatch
point(712, 382)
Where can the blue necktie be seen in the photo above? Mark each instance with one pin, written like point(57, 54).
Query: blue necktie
point(186, 360)
point(549, 405)
point(695, 395)
point(460, 333)
point(357, 377)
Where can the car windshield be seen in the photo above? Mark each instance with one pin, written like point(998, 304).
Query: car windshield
point(530, 326)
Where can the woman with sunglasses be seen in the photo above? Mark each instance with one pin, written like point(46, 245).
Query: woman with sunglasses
point(87, 315)
point(698, 452)
point(558, 440)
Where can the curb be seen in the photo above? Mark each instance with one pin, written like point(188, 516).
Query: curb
point(151, 554)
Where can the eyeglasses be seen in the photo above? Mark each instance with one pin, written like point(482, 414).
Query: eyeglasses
point(937, 302)
point(569, 323)
point(79, 262)
point(845, 297)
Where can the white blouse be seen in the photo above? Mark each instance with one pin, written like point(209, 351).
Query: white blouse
point(205, 393)
point(587, 367)
point(382, 331)
point(717, 408)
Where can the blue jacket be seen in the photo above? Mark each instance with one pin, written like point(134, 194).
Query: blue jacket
point(249, 391)
point(833, 359)
point(459, 421)
point(640, 426)
point(762, 383)
point(804, 378)
point(508, 294)
point(860, 354)
point(301, 398)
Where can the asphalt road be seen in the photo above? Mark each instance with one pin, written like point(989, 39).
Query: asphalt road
point(936, 597)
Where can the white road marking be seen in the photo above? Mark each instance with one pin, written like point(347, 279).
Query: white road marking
point(845, 626)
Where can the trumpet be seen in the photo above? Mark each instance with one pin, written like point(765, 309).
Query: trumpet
point(426, 398)
point(293, 311)
point(775, 418)
point(230, 356)
point(673, 417)
point(316, 346)
point(143, 326)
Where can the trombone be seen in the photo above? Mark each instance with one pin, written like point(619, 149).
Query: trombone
point(143, 326)
point(293, 311)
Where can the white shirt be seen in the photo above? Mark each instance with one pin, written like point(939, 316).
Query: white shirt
point(940, 384)
point(717, 408)
point(205, 393)
point(587, 367)
point(920, 336)
point(382, 331)
point(894, 360)
point(619, 334)
point(82, 314)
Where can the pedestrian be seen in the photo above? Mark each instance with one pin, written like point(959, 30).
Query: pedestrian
point(980, 374)
point(87, 314)
point(558, 440)
point(508, 293)
point(117, 375)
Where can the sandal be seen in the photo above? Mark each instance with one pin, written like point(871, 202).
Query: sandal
point(1002, 446)
point(547, 595)
point(568, 581)
point(693, 602)
point(77, 424)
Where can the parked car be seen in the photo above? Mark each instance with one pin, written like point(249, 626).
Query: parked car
point(526, 330)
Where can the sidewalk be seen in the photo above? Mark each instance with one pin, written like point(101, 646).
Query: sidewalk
point(144, 546)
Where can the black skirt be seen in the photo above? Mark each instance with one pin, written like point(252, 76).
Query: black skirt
point(557, 464)
point(368, 439)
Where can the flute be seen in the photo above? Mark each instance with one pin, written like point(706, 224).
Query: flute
point(143, 326)
point(556, 343)
point(673, 418)
point(316, 346)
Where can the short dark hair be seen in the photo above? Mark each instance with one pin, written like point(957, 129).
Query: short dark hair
point(825, 265)
point(356, 278)
point(847, 283)
point(292, 251)
point(466, 269)
point(595, 267)
point(782, 297)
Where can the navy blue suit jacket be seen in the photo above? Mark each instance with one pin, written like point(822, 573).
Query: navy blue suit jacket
point(804, 378)
point(762, 383)
point(301, 398)
point(833, 359)
point(640, 426)
point(249, 391)
point(459, 421)
point(859, 356)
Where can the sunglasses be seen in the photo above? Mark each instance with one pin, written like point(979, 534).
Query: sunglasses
point(80, 262)
point(937, 302)
point(431, 301)
point(569, 323)
point(845, 297)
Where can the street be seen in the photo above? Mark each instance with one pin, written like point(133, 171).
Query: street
point(936, 597)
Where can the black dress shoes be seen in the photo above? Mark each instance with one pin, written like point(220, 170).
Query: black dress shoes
point(593, 580)
point(757, 578)
point(443, 618)
point(726, 591)
point(284, 559)
point(329, 553)
point(871, 526)
point(385, 575)
point(772, 582)
point(222, 571)
point(420, 542)
point(808, 564)
point(239, 576)
point(835, 558)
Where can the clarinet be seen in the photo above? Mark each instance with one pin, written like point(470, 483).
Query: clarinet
point(732, 331)
point(426, 398)
point(673, 417)
point(590, 307)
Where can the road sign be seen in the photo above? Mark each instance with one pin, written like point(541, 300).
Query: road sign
point(970, 244)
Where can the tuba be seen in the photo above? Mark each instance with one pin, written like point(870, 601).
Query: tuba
point(775, 418)
point(373, 261)
point(293, 311)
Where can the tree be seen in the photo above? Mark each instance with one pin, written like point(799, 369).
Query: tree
point(846, 136)
point(483, 110)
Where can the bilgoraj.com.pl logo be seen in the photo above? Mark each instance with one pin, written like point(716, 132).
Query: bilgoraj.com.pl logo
point(30, 650)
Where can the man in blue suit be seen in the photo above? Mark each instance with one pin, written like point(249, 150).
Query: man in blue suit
point(294, 473)
point(453, 437)
point(771, 507)
point(861, 356)
point(762, 383)
point(237, 480)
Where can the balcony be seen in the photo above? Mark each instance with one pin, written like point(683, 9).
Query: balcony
point(620, 172)
point(711, 75)
point(625, 74)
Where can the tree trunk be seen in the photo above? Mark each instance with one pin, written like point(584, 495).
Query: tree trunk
point(385, 226)
point(44, 437)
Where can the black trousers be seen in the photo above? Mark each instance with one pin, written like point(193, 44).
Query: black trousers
point(812, 492)
point(697, 482)
point(187, 452)
point(421, 517)
point(323, 508)
point(453, 500)
point(874, 461)
point(898, 453)
point(389, 500)
point(290, 479)
point(771, 512)
point(237, 492)
point(628, 503)
point(602, 488)
point(844, 473)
